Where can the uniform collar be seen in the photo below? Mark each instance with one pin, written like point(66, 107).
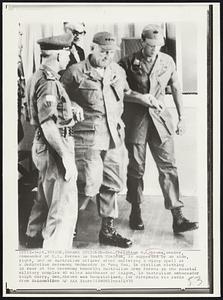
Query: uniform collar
point(151, 60)
point(91, 70)
point(138, 59)
point(49, 70)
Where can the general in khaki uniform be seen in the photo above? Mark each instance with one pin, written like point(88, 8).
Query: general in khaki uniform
point(148, 73)
point(97, 84)
point(54, 213)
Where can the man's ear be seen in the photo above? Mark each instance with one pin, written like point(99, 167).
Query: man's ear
point(92, 47)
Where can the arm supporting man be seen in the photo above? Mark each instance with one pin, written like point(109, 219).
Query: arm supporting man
point(70, 86)
point(147, 100)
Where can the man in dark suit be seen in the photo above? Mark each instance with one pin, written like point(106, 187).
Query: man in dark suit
point(76, 52)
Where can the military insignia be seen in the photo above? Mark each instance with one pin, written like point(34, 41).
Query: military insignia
point(136, 62)
point(136, 66)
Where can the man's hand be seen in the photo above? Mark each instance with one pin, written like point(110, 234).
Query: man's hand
point(78, 112)
point(153, 102)
point(70, 167)
point(181, 127)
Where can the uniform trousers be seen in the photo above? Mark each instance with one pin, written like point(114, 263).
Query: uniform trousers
point(163, 154)
point(55, 209)
point(101, 173)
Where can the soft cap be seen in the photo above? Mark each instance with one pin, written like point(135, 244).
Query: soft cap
point(106, 40)
point(154, 34)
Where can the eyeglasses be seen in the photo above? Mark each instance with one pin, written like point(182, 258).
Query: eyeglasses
point(74, 32)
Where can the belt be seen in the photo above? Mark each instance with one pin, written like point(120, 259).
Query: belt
point(66, 131)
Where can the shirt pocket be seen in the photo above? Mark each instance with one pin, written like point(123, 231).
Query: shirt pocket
point(39, 155)
point(84, 134)
point(163, 76)
point(89, 91)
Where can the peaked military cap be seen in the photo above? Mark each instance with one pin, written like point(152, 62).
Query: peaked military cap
point(154, 34)
point(56, 42)
point(106, 40)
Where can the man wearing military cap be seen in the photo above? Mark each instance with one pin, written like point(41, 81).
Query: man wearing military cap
point(98, 84)
point(148, 73)
point(54, 213)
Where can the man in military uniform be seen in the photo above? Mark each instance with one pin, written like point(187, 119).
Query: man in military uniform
point(54, 213)
point(148, 72)
point(97, 84)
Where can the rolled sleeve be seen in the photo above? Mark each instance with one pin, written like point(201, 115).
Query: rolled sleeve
point(47, 100)
point(174, 76)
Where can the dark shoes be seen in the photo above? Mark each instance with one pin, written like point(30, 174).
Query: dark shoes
point(184, 225)
point(114, 239)
point(135, 222)
point(180, 223)
point(109, 236)
point(34, 242)
point(135, 219)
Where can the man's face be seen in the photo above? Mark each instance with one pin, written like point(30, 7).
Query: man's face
point(78, 36)
point(63, 58)
point(102, 57)
point(149, 49)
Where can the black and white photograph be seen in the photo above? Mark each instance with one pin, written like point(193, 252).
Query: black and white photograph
point(110, 170)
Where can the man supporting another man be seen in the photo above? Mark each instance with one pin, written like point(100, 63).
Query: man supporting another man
point(98, 86)
point(54, 213)
point(148, 73)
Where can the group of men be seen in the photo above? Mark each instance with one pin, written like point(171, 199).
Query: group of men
point(86, 113)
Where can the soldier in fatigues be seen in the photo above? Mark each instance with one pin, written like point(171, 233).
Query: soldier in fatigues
point(97, 85)
point(148, 73)
point(54, 213)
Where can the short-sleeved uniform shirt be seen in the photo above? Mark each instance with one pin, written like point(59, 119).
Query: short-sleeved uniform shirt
point(47, 99)
point(101, 98)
